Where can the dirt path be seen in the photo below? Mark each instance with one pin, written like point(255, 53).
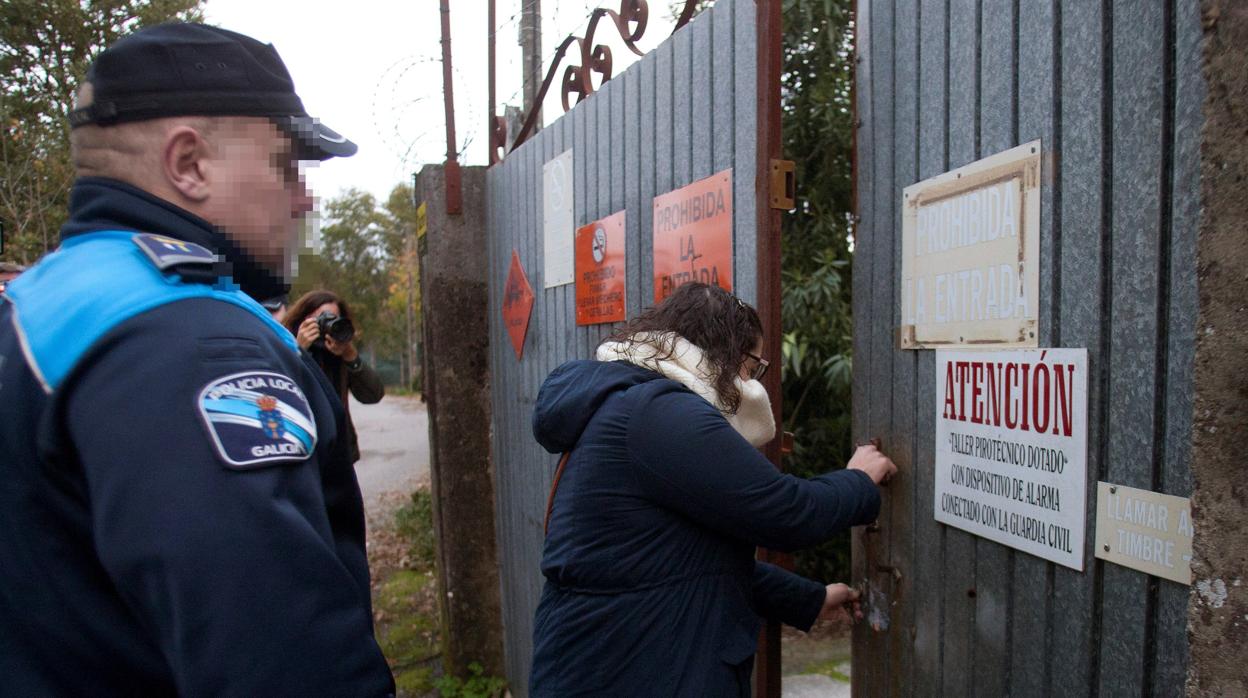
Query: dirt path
point(394, 446)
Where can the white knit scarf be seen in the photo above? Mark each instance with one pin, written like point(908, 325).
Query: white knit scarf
point(687, 366)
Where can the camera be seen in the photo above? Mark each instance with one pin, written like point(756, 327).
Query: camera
point(336, 328)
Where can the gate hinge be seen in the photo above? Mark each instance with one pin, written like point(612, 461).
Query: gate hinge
point(783, 185)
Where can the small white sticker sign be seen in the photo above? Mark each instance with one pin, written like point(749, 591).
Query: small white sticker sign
point(1144, 530)
point(1011, 448)
point(558, 230)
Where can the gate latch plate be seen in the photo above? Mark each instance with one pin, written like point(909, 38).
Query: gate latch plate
point(783, 185)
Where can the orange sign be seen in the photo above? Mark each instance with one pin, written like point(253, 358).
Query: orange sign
point(693, 235)
point(517, 304)
point(600, 271)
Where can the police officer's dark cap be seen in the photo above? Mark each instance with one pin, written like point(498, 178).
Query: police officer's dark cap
point(183, 69)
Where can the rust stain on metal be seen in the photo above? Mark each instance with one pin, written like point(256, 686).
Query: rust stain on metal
point(956, 188)
point(770, 59)
point(786, 443)
point(906, 336)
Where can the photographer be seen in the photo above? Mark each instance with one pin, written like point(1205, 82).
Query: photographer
point(321, 323)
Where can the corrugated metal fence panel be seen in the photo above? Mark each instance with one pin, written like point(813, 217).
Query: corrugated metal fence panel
point(682, 113)
point(1113, 90)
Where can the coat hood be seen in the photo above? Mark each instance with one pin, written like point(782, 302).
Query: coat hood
point(572, 394)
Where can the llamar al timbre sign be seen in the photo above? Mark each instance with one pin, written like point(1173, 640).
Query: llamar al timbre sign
point(1147, 531)
point(1011, 448)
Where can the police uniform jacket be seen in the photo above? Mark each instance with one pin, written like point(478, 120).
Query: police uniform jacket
point(178, 512)
point(651, 584)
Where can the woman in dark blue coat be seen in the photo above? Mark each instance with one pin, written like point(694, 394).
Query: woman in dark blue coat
point(652, 588)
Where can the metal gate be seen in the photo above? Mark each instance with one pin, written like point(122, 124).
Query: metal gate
point(1113, 90)
point(685, 111)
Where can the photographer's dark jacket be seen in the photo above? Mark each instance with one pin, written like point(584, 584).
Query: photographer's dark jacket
point(651, 584)
point(363, 383)
point(178, 511)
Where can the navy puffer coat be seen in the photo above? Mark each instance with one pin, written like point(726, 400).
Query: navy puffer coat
point(651, 584)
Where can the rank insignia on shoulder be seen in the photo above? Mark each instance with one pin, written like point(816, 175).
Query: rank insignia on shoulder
point(257, 418)
point(166, 252)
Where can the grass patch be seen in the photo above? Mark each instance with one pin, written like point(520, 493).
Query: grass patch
point(414, 524)
point(831, 667)
point(405, 608)
point(478, 685)
point(407, 629)
point(825, 650)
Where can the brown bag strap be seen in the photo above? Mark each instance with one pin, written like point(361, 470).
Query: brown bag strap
point(550, 501)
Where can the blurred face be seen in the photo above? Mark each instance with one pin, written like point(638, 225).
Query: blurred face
point(258, 195)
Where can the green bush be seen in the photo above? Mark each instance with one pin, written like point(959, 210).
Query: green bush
point(477, 686)
point(817, 246)
point(414, 522)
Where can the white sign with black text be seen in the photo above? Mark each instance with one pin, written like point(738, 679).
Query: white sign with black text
point(1011, 448)
point(558, 229)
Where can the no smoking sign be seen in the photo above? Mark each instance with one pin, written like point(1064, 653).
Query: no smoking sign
point(600, 271)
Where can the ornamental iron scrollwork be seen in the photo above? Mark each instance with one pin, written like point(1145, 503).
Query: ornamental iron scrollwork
point(630, 22)
point(577, 79)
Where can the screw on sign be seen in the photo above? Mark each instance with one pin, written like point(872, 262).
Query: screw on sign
point(517, 304)
point(693, 235)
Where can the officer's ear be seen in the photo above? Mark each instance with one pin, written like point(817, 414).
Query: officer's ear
point(186, 162)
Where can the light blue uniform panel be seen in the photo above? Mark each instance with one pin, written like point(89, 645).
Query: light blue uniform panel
point(93, 283)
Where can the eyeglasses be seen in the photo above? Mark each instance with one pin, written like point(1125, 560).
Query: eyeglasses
point(760, 368)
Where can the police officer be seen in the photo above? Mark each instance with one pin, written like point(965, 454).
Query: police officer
point(178, 510)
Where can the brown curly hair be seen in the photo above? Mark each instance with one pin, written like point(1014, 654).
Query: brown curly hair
point(723, 326)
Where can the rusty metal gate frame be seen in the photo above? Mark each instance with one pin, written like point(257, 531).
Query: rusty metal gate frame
point(770, 60)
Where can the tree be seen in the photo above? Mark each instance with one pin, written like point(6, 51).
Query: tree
point(45, 49)
point(368, 257)
point(351, 261)
point(816, 249)
point(403, 305)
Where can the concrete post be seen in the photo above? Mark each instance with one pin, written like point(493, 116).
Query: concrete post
point(531, 56)
point(454, 302)
point(1218, 608)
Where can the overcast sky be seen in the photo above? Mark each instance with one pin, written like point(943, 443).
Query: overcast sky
point(372, 70)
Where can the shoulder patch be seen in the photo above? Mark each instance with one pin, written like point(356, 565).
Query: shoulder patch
point(166, 252)
point(257, 418)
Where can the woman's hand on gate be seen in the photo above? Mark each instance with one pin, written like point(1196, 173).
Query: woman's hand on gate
point(876, 465)
point(841, 603)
